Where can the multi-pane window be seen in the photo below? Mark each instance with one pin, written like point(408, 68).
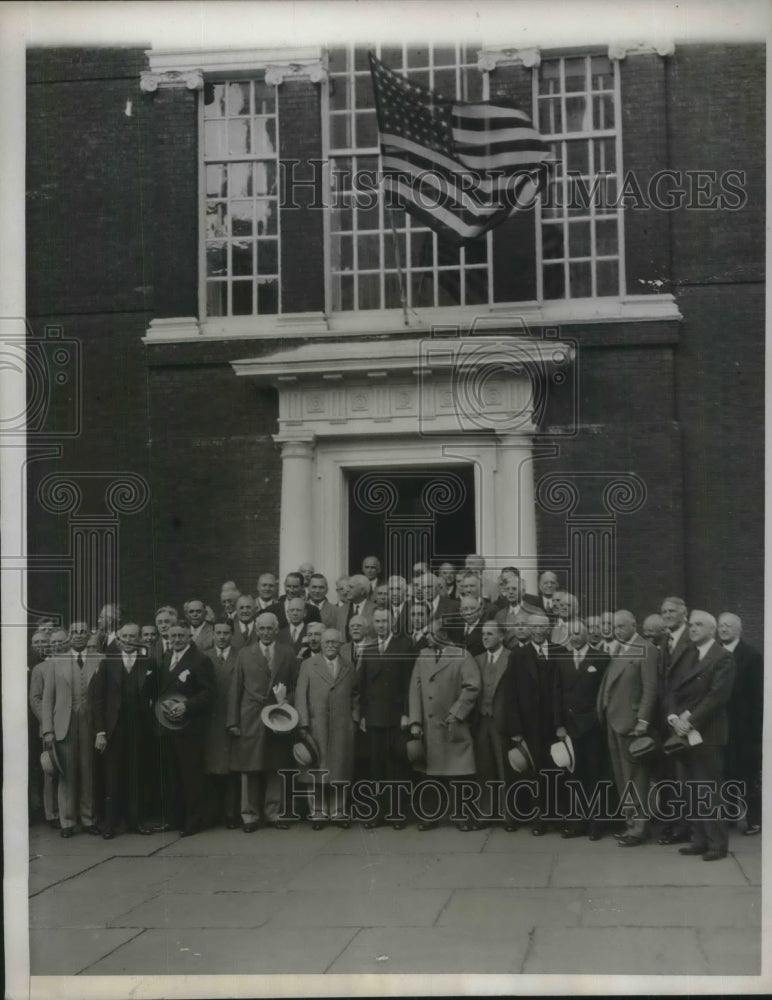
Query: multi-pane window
point(369, 242)
point(241, 198)
point(579, 221)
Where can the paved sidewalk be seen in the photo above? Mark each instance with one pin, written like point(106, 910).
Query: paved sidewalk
point(353, 901)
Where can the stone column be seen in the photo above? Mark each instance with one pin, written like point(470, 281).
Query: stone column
point(516, 507)
point(296, 543)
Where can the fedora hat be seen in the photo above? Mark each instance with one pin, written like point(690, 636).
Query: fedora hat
point(674, 744)
point(305, 750)
point(162, 707)
point(51, 762)
point(519, 758)
point(562, 753)
point(414, 749)
point(641, 746)
point(280, 718)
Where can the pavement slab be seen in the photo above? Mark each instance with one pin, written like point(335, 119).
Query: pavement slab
point(216, 951)
point(384, 840)
point(46, 841)
point(616, 951)
point(259, 873)
point(470, 871)
point(117, 875)
point(522, 841)
point(668, 906)
point(58, 907)
point(364, 873)
point(646, 865)
point(295, 841)
point(206, 909)
point(67, 951)
point(750, 865)
point(731, 952)
point(45, 870)
point(489, 909)
point(433, 950)
point(355, 908)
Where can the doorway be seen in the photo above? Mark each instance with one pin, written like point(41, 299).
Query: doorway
point(404, 516)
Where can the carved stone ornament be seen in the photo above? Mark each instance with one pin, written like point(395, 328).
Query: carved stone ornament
point(490, 59)
point(621, 50)
point(276, 74)
point(193, 79)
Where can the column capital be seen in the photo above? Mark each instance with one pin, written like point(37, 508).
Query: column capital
point(277, 73)
point(296, 447)
point(192, 79)
point(621, 50)
point(491, 58)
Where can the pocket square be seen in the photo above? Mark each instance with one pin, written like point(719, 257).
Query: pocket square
point(592, 670)
point(184, 675)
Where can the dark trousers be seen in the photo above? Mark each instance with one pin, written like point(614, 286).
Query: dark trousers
point(385, 760)
point(183, 792)
point(125, 770)
point(588, 757)
point(490, 763)
point(224, 797)
point(705, 763)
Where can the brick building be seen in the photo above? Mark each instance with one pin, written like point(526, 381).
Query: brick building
point(586, 383)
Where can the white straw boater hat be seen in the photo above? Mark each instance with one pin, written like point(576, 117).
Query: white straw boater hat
point(562, 753)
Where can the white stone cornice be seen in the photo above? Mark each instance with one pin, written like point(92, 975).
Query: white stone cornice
point(621, 50)
point(277, 73)
point(150, 81)
point(222, 62)
point(491, 58)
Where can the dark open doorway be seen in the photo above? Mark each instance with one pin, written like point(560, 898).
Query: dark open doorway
point(406, 515)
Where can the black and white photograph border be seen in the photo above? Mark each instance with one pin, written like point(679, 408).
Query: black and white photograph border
point(228, 353)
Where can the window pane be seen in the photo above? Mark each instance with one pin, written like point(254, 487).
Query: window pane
point(342, 253)
point(581, 280)
point(445, 82)
point(602, 73)
point(578, 157)
point(238, 99)
point(369, 291)
point(422, 288)
point(369, 252)
point(471, 85)
point(238, 137)
point(449, 288)
point(390, 249)
point(214, 140)
point(216, 298)
point(265, 98)
point(243, 256)
point(366, 129)
point(477, 287)
point(265, 177)
point(242, 298)
point(550, 116)
point(417, 56)
point(477, 251)
point(368, 218)
point(574, 75)
point(579, 239)
point(214, 100)
point(606, 237)
point(242, 213)
point(339, 60)
point(421, 79)
point(605, 156)
point(216, 220)
point(346, 292)
point(577, 114)
point(267, 257)
point(554, 284)
point(266, 213)
point(605, 202)
point(445, 57)
point(552, 242)
point(340, 131)
point(603, 111)
point(340, 98)
point(363, 91)
point(608, 277)
point(216, 260)
point(360, 56)
point(391, 292)
point(268, 297)
point(216, 182)
point(341, 219)
point(549, 77)
point(392, 56)
point(421, 249)
point(240, 176)
point(264, 137)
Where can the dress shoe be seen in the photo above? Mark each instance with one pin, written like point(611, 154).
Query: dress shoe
point(510, 827)
point(674, 837)
point(631, 841)
point(278, 825)
point(398, 826)
point(539, 830)
point(250, 827)
point(692, 850)
point(54, 824)
point(317, 824)
point(162, 828)
point(107, 834)
point(468, 826)
point(146, 831)
point(427, 826)
point(569, 834)
point(752, 830)
point(232, 824)
point(594, 835)
point(93, 830)
point(371, 824)
point(713, 855)
point(67, 831)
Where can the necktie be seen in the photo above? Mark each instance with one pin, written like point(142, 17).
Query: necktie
point(332, 668)
point(166, 645)
point(80, 661)
point(269, 654)
point(490, 659)
point(221, 654)
point(381, 645)
point(577, 659)
point(548, 604)
point(175, 660)
point(670, 642)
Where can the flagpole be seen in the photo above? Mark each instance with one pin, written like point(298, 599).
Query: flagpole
point(402, 288)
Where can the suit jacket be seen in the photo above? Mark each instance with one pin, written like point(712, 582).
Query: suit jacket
point(347, 652)
point(37, 679)
point(328, 614)
point(473, 641)
point(531, 691)
point(383, 682)
point(345, 611)
point(500, 705)
point(447, 607)
point(107, 690)
point(628, 690)
point(284, 638)
point(193, 677)
point(57, 691)
point(579, 690)
point(237, 640)
point(668, 659)
point(205, 638)
point(251, 689)
point(312, 612)
point(402, 624)
point(702, 687)
point(746, 705)
point(217, 750)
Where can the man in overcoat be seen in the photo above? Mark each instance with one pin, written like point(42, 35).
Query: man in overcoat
point(225, 784)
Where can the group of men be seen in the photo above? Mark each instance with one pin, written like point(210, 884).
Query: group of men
point(236, 717)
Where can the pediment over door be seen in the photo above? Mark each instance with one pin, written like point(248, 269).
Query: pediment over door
point(410, 386)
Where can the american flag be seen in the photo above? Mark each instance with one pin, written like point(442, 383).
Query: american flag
point(460, 168)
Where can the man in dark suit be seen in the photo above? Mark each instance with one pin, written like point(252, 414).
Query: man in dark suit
point(672, 646)
point(512, 610)
point(185, 674)
point(229, 594)
point(491, 720)
point(371, 568)
point(580, 672)
point(469, 633)
point(447, 574)
point(201, 631)
point(530, 688)
point(108, 623)
point(746, 717)
point(626, 708)
point(224, 783)
point(317, 597)
point(165, 617)
point(294, 632)
point(696, 694)
point(383, 684)
point(441, 606)
point(123, 730)
point(267, 601)
point(244, 631)
point(265, 674)
point(548, 586)
point(294, 587)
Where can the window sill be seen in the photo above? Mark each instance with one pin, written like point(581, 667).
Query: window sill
point(448, 321)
